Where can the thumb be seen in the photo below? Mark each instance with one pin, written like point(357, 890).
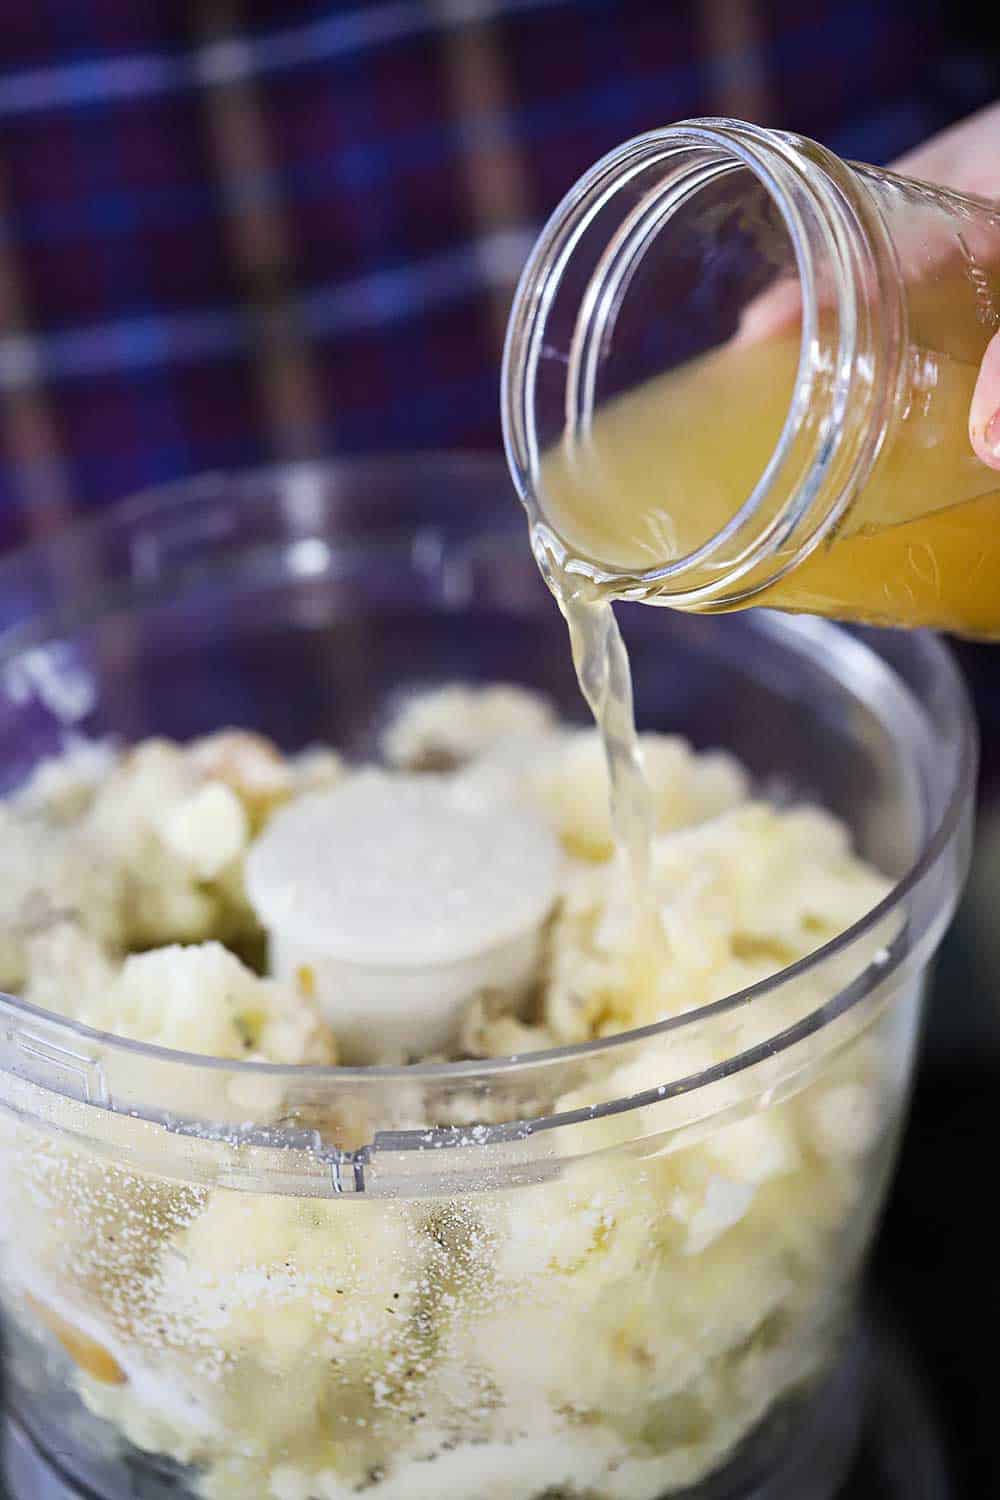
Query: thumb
point(984, 413)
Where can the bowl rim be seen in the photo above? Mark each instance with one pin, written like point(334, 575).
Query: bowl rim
point(819, 639)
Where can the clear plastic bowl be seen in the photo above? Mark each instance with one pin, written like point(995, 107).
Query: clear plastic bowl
point(467, 1281)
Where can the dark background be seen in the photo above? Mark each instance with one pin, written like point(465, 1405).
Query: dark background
point(240, 231)
point(233, 234)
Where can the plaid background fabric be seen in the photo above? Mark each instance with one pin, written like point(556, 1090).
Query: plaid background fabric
point(233, 233)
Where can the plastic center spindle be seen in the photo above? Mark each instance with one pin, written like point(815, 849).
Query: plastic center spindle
point(397, 903)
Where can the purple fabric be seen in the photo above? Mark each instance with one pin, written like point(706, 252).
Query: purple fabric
point(223, 247)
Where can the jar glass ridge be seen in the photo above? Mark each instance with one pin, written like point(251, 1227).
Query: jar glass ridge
point(682, 231)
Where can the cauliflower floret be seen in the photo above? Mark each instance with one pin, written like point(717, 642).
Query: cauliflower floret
point(452, 725)
point(669, 1273)
point(783, 881)
point(278, 1277)
point(69, 971)
point(176, 836)
point(63, 787)
point(562, 774)
point(737, 897)
point(249, 765)
point(203, 999)
point(147, 847)
point(316, 770)
point(50, 874)
point(757, 1148)
point(844, 1121)
point(316, 1344)
point(207, 830)
point(570, 783)
point(490, 1030)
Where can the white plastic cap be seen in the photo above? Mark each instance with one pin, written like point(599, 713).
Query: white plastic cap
point(403, 901)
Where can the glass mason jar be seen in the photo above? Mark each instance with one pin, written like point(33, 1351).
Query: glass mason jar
point(623, 1269)
point(738, 370)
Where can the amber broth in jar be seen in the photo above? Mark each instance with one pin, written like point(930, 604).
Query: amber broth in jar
point(668, 464)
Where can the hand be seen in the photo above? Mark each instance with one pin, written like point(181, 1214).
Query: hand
point(966, 158)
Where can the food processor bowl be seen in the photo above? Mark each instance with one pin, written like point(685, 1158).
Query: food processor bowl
point(624, 1269)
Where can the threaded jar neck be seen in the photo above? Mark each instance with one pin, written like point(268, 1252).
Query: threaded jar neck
point(672, 212)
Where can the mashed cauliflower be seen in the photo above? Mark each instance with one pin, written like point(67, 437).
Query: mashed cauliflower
point(614, 1325)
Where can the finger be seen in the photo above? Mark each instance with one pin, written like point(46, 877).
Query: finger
point(965, 159)
point(984, 413)
point(774, 311)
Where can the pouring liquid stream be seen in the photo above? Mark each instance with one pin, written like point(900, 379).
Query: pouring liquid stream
point(600, 659)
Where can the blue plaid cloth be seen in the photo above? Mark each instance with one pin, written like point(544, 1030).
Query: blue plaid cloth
point(237, 234)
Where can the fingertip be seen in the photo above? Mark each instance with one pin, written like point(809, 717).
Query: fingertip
point(772, 312)
point(984, 411)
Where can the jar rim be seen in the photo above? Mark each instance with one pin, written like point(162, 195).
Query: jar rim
point(821, 211)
